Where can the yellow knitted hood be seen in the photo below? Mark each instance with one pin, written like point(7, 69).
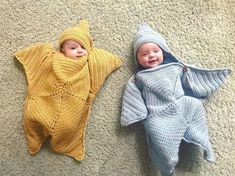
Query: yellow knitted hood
point(80, 33)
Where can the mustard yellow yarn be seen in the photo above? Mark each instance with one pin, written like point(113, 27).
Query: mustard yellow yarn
point(60, 94)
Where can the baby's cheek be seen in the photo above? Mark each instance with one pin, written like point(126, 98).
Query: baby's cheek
point(85, 53)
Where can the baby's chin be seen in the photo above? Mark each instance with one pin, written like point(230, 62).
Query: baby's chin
point(75, 58)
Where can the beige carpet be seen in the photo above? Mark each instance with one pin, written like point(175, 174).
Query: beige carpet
point(200, 32)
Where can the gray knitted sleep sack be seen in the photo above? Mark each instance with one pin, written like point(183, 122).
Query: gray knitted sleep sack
point(167, 99)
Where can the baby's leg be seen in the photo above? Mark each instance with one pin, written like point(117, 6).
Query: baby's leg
point(35, 134)
point(162, 160)
point(164, 133)
point(197, 132)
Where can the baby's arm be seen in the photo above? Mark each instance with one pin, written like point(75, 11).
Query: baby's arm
point(32, 58)
point(101, 64)
point(133, 105)
point(202, 83)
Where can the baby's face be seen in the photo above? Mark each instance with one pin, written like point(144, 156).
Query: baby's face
point(149, 55)
point(73, 49)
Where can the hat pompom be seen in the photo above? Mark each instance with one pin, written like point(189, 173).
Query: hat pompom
point(84, 25)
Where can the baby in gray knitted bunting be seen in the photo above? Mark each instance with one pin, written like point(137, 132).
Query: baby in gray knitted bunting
point(167, 96)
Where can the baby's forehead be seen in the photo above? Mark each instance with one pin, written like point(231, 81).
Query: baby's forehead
point(71, 42)
point(148, 46)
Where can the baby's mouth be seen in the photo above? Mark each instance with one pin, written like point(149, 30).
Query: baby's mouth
point(79, 55)
point(152, 61)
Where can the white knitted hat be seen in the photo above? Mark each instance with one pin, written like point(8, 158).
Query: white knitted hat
point(146, 34)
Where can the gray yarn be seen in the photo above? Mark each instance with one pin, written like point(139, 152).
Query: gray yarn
point(167, 99)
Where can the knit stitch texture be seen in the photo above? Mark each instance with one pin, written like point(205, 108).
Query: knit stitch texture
point(60, 93)
point(168, 100)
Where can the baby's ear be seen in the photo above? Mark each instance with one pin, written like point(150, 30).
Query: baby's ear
point(62, 49)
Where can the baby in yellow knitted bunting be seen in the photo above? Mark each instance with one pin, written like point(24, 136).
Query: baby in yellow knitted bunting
point(61, 88)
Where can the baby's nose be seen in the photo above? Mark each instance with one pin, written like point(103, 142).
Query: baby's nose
point(79, 50)
point(151, 54)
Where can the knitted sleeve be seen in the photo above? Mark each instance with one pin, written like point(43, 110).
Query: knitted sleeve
point(133, 105)
point(101, 64)
point(201, 83)
point(32, 58)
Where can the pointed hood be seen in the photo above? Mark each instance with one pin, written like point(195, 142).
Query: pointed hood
point(80, 33)
point(146, 34)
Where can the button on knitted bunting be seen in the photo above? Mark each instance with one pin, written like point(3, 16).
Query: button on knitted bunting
point(167, 99)
point(61, 91)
